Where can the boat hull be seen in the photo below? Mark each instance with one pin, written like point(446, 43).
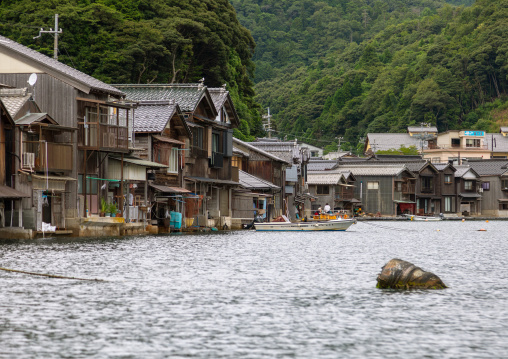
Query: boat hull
point(423, 218)
point(333, 225)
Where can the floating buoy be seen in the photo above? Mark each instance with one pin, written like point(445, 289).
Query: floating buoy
point(438, 230)
point(482, 230)
point(463, 220)
point(487, 221)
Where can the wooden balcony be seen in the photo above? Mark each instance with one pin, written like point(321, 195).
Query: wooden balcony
point(345, 193)
point(408, 188)
point(103, 137)
point(57, 159)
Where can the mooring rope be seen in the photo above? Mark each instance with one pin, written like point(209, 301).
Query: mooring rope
point(50, 275)
point(387, 227)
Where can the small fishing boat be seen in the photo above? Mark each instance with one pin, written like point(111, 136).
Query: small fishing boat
point(329, 225)
point(413, 217)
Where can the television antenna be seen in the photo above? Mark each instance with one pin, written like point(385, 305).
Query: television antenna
point(31, 81)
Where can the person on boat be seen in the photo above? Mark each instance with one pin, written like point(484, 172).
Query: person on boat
point(320, 210)
point(327, 208)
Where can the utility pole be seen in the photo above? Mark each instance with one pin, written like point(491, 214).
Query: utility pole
point(268, 126)
point(340, 139)
point(56, 31)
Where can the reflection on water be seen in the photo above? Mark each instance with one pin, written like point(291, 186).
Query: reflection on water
point(258, 295)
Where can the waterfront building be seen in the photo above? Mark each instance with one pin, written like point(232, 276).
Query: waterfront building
point(295, 188)
point(265, 166)
point(494, 186)
point(207, 172)
point(382, 189)
point(94, 119)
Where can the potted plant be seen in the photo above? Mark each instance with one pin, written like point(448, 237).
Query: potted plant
point(104, 207)
point(112, 209)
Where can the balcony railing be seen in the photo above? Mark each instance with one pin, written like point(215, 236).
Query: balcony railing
point(345, 194)
point(103, 137)
point(427, 190)
point(408, 188)
point(456, 147)
point(59, 156)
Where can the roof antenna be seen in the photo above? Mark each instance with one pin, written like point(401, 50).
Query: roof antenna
point(31, 81)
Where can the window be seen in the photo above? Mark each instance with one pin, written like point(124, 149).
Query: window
point(236, 162)
point(435, 160)
point(449, 204)
point(173, 161)
point(486, 186)
point(504, 184)
point(215, 142)
point(372, 185)
point(398, 186)
point(468, 185)
point(322, 189)
point(91, 184)
point(448, 179)
point(472, 142)
point(197, 137)
point(427, 184)
point(455, 142)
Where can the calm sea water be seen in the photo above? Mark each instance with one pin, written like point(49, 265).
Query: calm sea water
point(257, 295)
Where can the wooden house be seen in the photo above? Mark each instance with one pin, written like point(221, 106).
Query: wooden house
point(382, 189)
point(207, 173)
point(265, 166)
point(95, 114)
point(45, 159)
point(470, 189)
point(447, 188)
point(333, 187)
point(295, 192)
point(10, 198)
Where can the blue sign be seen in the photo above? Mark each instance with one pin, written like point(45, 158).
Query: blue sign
point(474, 133)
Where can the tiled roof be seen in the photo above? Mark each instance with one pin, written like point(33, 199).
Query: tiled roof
point(219, 96)
point(288, 151)
point(58, 67)
point(488, 167)
point(251, 182)
point(374, 169)
point(421, 129)
point(503, 129)
point(462, 170)
point(250, 146)
point(239, 152)
point(388, 141)
point(496, 142)
point(324, 177)
point(14, 99)
point(187, 96)
point(321, 165)
point(153, 116)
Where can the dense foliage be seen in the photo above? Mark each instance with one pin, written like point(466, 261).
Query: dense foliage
point(340, 68)
point(145, 41)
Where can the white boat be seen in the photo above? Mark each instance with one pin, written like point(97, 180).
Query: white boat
point(413, 217)
point(331, 225)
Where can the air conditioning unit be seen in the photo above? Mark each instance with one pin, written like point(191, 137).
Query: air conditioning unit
point(28, 160)
point(480, 190)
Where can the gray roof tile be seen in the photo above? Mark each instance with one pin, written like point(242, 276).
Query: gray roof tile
point(321, 165)
point(374, 169)
point(252, 182)
point(152, 116)
point(186, 95)
point(488, 167)
point(48, 62)
point(388, 141)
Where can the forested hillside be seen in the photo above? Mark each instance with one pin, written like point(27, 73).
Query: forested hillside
point(144, 41)
point(344, 68)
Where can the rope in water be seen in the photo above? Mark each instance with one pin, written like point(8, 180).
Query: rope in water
point(387, 227)
point(50, 275)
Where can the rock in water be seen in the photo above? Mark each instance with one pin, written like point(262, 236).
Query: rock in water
point(399, 274)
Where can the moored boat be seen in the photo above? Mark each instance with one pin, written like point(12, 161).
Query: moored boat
point(330, 225)
point(413, 217)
